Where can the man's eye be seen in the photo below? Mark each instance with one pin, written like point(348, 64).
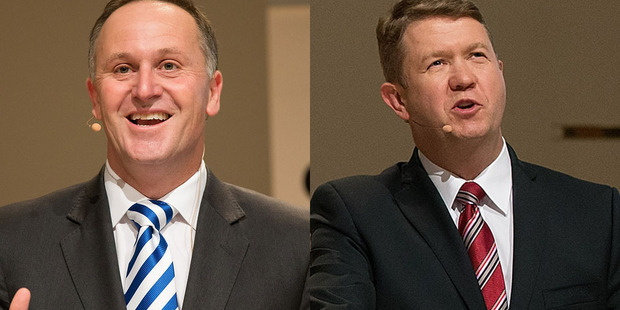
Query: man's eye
point(435, 63)
point(169, 66)
point(122, 70)
point(478, 54)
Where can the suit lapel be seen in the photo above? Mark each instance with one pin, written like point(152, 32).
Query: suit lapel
point(530, 213)
point(89, 250)
point(422, 205)
point(219, 249)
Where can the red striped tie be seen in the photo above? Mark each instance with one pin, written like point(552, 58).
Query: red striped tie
point(481, 247)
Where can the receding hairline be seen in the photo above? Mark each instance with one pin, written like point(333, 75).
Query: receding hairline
point(204, 32)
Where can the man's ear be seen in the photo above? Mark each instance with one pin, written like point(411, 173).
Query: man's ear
point(215, 90)
point(94, 98)
point(391, 94)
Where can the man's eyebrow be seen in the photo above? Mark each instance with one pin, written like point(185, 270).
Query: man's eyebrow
point(433, 55)
point(477, 45)
point(168, 50)
point(125, 55)
point(115, 57)
point(172, 52)
point(442, 53)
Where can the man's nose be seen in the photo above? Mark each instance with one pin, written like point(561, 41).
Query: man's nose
point(147, 86)
point(462, 77)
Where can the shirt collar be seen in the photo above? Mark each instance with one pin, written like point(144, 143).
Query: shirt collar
point(186, 198)
point(495, 180)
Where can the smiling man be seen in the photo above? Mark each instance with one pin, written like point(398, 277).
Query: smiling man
point(464, 224)
point(155, 229)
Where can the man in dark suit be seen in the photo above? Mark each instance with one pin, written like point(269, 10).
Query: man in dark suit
point(464, 224)
point(153, 82)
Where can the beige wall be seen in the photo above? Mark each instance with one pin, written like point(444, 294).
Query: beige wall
point(289, 100)
point(560, 64)
point(46, 144)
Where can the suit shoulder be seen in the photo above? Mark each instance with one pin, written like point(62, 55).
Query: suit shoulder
point(50, 209)
point(57, 202)
point(555, 181)
point(549, 174)
point(360, 191)
point(365, 185)
point(256, 204)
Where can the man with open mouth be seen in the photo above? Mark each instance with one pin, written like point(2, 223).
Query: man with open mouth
point(464, 224)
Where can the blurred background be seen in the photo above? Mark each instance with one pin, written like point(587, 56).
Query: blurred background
point(259, 140)
point(561, 68)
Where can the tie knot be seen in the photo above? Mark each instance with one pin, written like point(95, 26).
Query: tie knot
point(470, 193)
point(154, 213)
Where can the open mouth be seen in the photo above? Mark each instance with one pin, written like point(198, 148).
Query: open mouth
point(149, 119)
point(465, 104)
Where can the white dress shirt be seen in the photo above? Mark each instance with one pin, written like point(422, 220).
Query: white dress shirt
point(495, 208)
point(179, 233)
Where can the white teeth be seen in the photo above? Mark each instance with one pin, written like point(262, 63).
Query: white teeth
point(150, 116)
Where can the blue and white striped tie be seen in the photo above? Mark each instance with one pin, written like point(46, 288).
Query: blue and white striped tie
point(150, 275)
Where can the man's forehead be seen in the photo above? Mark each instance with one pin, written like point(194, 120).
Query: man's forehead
point(159, 25)
point(147, 7)
point(434, 32)
point(443, 25)
point(146, 13)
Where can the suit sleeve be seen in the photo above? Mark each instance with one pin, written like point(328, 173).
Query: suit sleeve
point(613, 302)
point(4, 293)
point(340, 272)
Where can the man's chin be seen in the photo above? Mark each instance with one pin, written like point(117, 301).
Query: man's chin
point(146, 156)
point(467, 134)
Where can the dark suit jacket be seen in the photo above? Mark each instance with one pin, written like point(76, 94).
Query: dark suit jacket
point(250, 251)
point(388, 242)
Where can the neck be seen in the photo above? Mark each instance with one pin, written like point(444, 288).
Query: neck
point(465, 158)
point(155, 180)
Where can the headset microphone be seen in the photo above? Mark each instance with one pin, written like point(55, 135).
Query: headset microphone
point(392, 97)
point(445, 128)
point(96, 127)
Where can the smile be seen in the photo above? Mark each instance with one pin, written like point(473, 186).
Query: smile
point(149, 119)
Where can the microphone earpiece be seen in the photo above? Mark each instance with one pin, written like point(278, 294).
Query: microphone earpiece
point(445, 128)
point(96, 127)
